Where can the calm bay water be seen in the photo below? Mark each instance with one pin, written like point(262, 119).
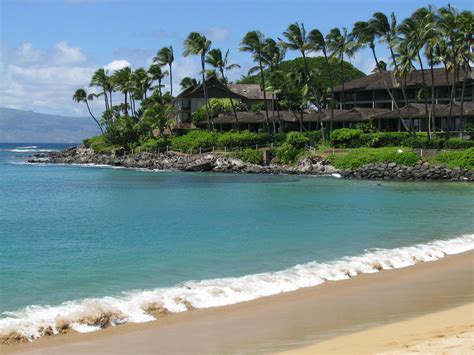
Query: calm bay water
point(70, 232)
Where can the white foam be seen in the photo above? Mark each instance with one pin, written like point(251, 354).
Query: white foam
point(138, 306)
point(29, 150)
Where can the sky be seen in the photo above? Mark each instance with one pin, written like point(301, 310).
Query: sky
point(49, 48)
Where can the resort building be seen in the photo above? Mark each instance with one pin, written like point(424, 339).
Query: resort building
point(190, 99)
point(363, 100)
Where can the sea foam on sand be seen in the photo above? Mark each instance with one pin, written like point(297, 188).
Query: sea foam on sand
point(92, 314)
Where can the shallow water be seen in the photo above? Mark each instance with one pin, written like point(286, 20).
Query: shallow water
point(69, 233)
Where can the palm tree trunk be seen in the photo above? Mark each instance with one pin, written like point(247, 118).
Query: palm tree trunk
point(451, 102)
point(332, 92)
point(403, 87)
point(171, 80)
point(95, 119)
point(159, 88)
point(343, 80)
point(372, 47)
point(425, 99)
point(126, 105)
point(106, 100)
point(230, 98)
point(433, 115)
point(280, 122)
point(461, 117)
point(262, 79)
point(205, 93)
point(110, 98)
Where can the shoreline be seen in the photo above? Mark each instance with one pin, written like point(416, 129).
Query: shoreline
point(288, 320)
point(221, 163)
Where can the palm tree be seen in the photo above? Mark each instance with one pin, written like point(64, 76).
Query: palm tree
point(404, 63)
point(413, 29)
point(273, 54)
point(165, 56)
point(188, 82)
point(448, 26)
point(197, 44)
point(365, 34)
point(102, 80)
point(122, 81)
point(319, 43)
point(221, 63)
point(466, 27)
point(81, 96)
point(341, 43)
point(157, 74)
point(253, 42)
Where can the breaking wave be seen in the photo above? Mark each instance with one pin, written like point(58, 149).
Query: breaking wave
point(142, 306)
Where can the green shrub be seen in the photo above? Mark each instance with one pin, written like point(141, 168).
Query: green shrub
point(315, 137)
point(252, 156)
point(297, 139)
point(287, 154)
point(458, 143)
point(363, 156)
point(345, 138)
point(461, 159)
point(242, 139)
point(470, 130)
point(99, 144)
point(194, 140)
point(153, 144)
point(383, 139)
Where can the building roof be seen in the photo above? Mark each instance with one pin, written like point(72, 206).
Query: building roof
point(243, 91)
point(415, 79)
point(417, 110)
point(357, 114)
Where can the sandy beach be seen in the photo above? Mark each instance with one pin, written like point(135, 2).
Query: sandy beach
point(331, 316)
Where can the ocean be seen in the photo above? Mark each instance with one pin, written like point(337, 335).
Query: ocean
point(89, 247)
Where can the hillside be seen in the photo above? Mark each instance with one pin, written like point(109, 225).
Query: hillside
point(17, 126)
point(318, 65)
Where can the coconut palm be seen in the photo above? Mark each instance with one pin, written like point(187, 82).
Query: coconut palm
point(404, 60)
point(340, 43)
point(198, 44)
point(221, 63)
point(365, 34)
point(465, 40)
point(273, 54)
point(165, 56)
point(188, 82)
point(122, 81)
point(318, 43)
point(81, 96)
point(102, 80)
point(253, 42)
point(157, 74)
point(413, 31)
point(448, 26)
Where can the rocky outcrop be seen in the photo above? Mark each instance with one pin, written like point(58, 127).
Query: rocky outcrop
point(174, 161)
point(311, 165)
point(422, 171)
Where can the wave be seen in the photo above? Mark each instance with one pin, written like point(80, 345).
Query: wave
point(27, 147)
point(142, 306)
point(28, 150)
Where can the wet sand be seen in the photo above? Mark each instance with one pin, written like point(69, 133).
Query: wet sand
point(289, 321)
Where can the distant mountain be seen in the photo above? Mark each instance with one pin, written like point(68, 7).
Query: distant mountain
point(17, 126)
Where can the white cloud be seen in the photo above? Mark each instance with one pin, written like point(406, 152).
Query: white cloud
point(217, 33)
point(364, 60)
point(117, 64)
point(65, 54)
point(44, 81)
point(183, 67)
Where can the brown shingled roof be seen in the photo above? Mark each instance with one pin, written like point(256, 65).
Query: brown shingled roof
point(375, 81)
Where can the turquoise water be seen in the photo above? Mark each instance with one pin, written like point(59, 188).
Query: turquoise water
point(70, 232)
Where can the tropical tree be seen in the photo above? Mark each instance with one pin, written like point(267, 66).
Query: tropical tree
point(157, 74)
point(253, 42)
point(188, 82)
point(221, 63)
point(341, 43)
point(318, 43)
point(273, 54)
point(198, 44)
point(102, 80)
point(81, 96)
point(122, 80)
point(365, 34)
point(165, 56)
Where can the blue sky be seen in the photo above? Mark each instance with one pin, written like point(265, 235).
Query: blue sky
point(50, 47)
